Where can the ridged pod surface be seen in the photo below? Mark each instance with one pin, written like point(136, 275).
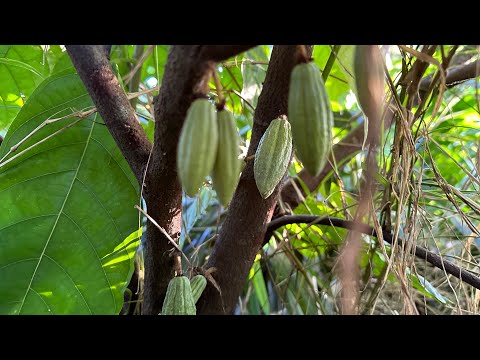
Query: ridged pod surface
point(311, 117)
point(198, 283)
point(227, 167)
point(272, 156)
point(179, 298)
point(197, 146)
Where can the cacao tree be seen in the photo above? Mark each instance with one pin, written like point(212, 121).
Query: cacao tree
point(239, 179)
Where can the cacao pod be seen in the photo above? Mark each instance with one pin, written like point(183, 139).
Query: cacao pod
point(197, 146)
point(311, 117)
point(179, 298)
point(198, 283)
point(272, 157)
point(369, 80)
point(226, 170)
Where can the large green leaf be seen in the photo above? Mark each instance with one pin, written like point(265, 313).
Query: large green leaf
point(67, 209)
point(22, 69)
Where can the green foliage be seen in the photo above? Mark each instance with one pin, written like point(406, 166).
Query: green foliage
point(260, 295)
point(69, 196)
point(22, 69)
point(340, 79)
point(69, 200)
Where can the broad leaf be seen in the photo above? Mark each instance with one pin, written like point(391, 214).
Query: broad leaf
point(22, 69)
point(67, 209)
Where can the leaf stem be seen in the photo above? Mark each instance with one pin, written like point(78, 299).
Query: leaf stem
point(330, 62)
point(218, 86)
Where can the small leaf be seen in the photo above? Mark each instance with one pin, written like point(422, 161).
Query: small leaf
point(426, 288)
point(260, 287)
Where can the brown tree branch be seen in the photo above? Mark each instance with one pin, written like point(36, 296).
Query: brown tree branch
point(420, 252)
point(455, 75)
point(219, 53)
point(244, 227)
point(107, 49)
point(186, 76)
point(95, 70)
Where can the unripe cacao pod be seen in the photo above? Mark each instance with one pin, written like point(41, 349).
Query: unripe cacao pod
point(197, 146)
point(179, 298)
point(272, 157)
point(198, 283)
point(311, 117)
point(227, 167)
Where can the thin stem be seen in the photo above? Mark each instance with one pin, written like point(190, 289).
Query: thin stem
point(162, 230)
point(83, 114)
point(330, 62)
point(218, 86)
point(135, 80)
point(302, 54)
point(139, 64)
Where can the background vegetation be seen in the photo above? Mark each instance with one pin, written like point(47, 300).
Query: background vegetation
point(71, 240)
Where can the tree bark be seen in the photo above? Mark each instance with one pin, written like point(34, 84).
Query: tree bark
point(456, 75)
point(94, 69)
point(186, 76)
point(244, 227)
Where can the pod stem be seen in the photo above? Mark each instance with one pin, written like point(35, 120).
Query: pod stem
point(218, 86)
point(302, 55)
point(177, 264)
point(249, 158)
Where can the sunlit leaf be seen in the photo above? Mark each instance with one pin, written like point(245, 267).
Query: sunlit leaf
point(68, 203)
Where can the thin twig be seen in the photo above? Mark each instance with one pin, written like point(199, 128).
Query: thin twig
point(430, 60)
point(82, 114)
point(245, 100)
point(162, 230)
point(39, 142)
point(139, 64)
point(135, 80)
point(243, 62)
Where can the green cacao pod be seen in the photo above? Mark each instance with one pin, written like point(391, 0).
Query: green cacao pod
point(197, 146)
point(311, 117)
point(198, 283)
point(227, 167)
point(179, 298)
point(272, 156)
point(369, 80)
